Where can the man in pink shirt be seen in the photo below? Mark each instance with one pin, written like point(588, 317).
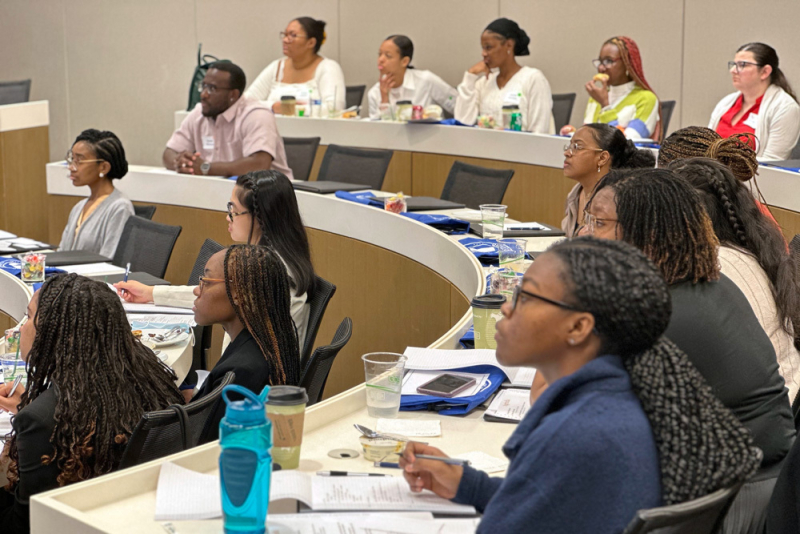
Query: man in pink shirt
point(226, 134)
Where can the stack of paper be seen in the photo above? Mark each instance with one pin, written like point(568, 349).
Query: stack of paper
point(438, 360)
point(509, 406)
point(93, 269)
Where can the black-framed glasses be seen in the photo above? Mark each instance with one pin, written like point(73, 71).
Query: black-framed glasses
point(519, 291)
point(211, 88)
point(607, 62)
point(291, 36)
point(571, 148)
point(739, 66)
point(232, 214)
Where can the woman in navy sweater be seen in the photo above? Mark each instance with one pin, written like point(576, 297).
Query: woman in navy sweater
point(618, 428)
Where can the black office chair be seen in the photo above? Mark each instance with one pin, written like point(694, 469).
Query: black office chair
point(176, 429)
point(667, 107)
point(562, 109)
point(795, 151)
point(354, 95)
point(202, 334)
point(700, 516)
point(145, 212)
point(472, 185)
point(300, 154)
point(15, 92)
point(147, 245)
point(355, 165)
point(318, 368)
point(209, 248)
point(317, 302)
point(783, 512)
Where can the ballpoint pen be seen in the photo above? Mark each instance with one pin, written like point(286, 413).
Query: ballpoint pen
point(14, 385)
point(448, 461)
point(348, 474)
point(127, 272)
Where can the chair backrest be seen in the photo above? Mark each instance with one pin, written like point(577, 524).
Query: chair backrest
point(355, 165)
point(783, 511)
point(795, 151)
point(700, 516)
point(316, 372)
point(209, 248)
point(667, 107)
point(300, 154)
point(145, 212)
point(15, 92)
point(472, 185)
point(323, 293)
point(562, 109)
point(173, 430)
point(147, 245)
point(354, 95)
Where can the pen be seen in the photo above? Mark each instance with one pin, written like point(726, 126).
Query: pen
point(348, 474)
point(388, 465)
point(127, 272)
point(14, 385)
point(448, 461)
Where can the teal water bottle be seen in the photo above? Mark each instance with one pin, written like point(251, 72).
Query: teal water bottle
point(245, 464)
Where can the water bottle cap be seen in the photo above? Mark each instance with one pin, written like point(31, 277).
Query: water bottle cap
point(249, 411)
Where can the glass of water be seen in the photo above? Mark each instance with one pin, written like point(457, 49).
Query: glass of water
point(493, 217)
point(511, 254)
point(384, 380)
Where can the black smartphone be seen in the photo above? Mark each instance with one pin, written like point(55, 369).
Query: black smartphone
point(446, 385)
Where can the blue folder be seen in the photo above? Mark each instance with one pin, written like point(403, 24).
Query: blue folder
point(484, 249)
point(461, 405)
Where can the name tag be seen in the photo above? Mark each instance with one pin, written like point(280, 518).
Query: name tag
point(208, 142)
point(752, 120)
point(511, 99)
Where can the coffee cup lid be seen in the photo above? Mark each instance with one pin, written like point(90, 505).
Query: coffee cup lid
point(287, 396)
point(288, 97)
point(492, 302)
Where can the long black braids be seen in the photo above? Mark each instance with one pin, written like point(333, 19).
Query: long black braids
point(105, 379)
point(702, 447)
point(258, 288)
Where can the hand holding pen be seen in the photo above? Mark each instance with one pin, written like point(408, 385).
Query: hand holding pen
point(11, 395)
point(426, 467)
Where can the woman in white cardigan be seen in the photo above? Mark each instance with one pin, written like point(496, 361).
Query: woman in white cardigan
point(498, 80)
point(303, 74)
point(764, 103)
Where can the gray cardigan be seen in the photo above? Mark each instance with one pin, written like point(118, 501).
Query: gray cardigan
point(100, 232)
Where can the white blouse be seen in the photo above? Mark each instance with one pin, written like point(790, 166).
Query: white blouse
point(328, 84)
point(528, 88)
point(421, 87)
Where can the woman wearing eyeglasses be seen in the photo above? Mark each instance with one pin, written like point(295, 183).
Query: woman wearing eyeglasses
point(764, 103)
point(594, 150)
point(304, 73)
point(619, 94)
point(262, 210)
point(95, 224)
point(616, 430)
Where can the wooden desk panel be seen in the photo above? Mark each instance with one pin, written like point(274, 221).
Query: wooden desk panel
point(788, 220)
point(23, 185)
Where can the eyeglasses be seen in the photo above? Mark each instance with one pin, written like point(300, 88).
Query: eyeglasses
point(571, 148)
point(203, 281)
point(739, 66)
point(211, 88)
point(592, 223)
point(232, 214)
point(72, 162)
point(519, 291)
point(291, 36)
point(607, 62)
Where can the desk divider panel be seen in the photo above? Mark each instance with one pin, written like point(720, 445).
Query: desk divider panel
point(23, 185)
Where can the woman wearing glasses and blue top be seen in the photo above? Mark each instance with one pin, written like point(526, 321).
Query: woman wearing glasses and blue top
point(262, 210)
point(304, 73)
point(764, 103)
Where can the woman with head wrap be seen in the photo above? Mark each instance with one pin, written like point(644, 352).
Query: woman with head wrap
point(619, 94)
point(498, 80)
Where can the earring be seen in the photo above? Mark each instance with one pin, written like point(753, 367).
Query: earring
point(101, 175)
point(598, 168)
point(509, 52)
point(627, 73)
point(571, 341)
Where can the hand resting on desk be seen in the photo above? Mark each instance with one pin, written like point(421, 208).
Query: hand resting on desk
point(132, 291)
point(436, 476)
point(7, 403)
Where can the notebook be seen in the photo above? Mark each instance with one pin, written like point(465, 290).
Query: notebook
point(508, 406)
point(325, 187)
point(441, 360)
point(426, 203)
point(532, 229)
point(73, 257)
point(144, 278)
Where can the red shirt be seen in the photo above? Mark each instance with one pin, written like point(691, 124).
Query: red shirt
point(726, 128)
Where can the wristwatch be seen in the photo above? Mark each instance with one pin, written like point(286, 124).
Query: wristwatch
point(205, 167)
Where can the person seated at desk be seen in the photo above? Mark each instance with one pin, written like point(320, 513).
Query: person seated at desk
point(89, 383)
point(498, 80)
point(262, 210)
point(592, 152)
point(226, 134)
point(304, 74)
point(764, 103)
point(753, 255)
point(400, 81)
point(619, 94)
point(712, 321)
point(614, 432)
point(245, 288)
point(95, 224)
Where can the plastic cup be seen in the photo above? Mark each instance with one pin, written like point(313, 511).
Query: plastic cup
point(32, 267)
point(286, 408)
point(386, 112)
point(493, 217)
point(512, 253)
point(384, 381)
point(485, 314)
point(508, 281)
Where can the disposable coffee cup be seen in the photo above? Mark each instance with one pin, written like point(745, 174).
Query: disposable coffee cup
point(286, 408)
point(485, 314)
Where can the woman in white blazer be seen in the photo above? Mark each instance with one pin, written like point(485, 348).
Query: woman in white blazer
point(764, 104)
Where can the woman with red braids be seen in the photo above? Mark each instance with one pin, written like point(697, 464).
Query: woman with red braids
point(619, 94)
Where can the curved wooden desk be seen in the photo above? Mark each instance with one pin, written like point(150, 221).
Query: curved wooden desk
point(14, 296)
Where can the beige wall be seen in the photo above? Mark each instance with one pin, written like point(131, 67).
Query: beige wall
point(125, 65)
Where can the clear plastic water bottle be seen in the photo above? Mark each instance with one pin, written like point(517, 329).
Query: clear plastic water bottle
point(245, 464)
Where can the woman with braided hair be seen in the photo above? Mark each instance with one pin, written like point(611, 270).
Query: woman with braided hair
point(95, 224)
point(627, 422)
point(619, 94)
point(753, 255)
point(89, 383)
point(712, 321)
point(245, 288)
